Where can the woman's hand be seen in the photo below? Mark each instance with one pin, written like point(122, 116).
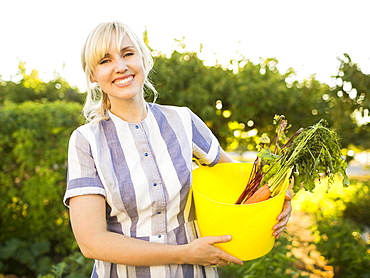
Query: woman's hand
point(202, 252)
point(284, 216)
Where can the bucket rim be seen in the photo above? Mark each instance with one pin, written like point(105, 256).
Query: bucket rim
point(284, 189)
point(235, 205)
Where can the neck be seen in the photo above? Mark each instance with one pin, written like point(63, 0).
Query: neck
point(131, 113)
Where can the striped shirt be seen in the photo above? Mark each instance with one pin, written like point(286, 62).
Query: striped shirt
point(144, 172)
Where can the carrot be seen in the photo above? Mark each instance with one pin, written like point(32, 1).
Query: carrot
point(262, 194)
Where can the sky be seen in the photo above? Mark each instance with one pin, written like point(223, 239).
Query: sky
point(308, 36)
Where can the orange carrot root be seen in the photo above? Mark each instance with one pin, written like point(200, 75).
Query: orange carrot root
point(262, 194)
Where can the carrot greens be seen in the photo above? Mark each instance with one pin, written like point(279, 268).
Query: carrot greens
point(310, 154)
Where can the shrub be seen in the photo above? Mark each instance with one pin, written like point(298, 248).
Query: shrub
point(341, 217)
point(277, 263)
point(358, 210)
point(72, 266)
point(340, 242)
point(34, 223)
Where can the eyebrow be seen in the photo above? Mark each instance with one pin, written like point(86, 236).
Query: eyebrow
point(129, 47)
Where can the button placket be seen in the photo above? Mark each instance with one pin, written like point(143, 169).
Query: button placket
point(159, 210)
point(157, 191)
point(146, 153)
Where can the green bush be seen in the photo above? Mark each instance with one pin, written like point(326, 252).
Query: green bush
point(73, 266)
point(278, 263)
point(34, 223)
point(342, 237)
point(341, 243)
point(358, 210)
point(341, 222)
point(29, 257)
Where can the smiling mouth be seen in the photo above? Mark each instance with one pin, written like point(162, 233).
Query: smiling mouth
point(123, 81)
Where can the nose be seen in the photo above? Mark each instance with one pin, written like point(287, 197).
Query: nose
point(121, 65)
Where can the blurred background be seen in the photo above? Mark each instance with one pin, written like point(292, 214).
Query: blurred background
point(236, 65)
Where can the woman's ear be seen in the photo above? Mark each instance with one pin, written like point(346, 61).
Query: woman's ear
point(92, 79)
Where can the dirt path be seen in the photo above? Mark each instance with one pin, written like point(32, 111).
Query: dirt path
point(310, 260)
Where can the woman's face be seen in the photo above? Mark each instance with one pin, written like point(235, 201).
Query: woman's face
point(120, 73)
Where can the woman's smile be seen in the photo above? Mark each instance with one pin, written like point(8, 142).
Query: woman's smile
point(124, 81)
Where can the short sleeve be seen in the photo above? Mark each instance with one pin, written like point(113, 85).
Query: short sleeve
point(206, 148)
point(82, 177)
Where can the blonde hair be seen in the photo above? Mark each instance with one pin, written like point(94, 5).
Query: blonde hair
point(96, 46)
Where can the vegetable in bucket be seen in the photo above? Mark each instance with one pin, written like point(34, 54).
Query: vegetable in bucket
point(309, 154)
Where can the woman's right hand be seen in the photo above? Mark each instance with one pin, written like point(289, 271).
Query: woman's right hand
point(202, 252)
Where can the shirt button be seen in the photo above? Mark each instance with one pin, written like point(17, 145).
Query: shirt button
point(158, 212)
point(146, 154)
point(155, 184)
point(159, 236)
point(137, 127)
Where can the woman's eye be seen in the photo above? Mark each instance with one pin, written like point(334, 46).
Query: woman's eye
point(128, 54)
point(104, 61)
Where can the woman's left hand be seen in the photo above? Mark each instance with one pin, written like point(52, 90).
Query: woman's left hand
point(284, 216)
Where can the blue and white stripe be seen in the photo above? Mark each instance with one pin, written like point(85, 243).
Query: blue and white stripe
point(144, 172)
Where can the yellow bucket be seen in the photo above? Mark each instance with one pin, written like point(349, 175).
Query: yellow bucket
point(215, 191)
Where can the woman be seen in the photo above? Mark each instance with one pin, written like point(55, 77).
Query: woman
point(129, 170)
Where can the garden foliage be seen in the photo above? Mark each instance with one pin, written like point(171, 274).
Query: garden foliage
point(34, 223)
point(37, 118)
point(278, 263)
point(341, 226)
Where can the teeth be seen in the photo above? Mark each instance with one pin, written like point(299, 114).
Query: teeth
point(123, 81)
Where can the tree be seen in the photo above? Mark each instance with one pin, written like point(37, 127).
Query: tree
point(183, 80)
point(238, 104)
point(262, 92)
point(32, 88)
point(349, 101)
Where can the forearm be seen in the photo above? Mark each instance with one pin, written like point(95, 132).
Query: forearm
point(120, 249)
point(89, 227)
point(225, 158)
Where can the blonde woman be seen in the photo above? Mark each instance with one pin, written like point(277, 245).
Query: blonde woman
point(129, 170)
